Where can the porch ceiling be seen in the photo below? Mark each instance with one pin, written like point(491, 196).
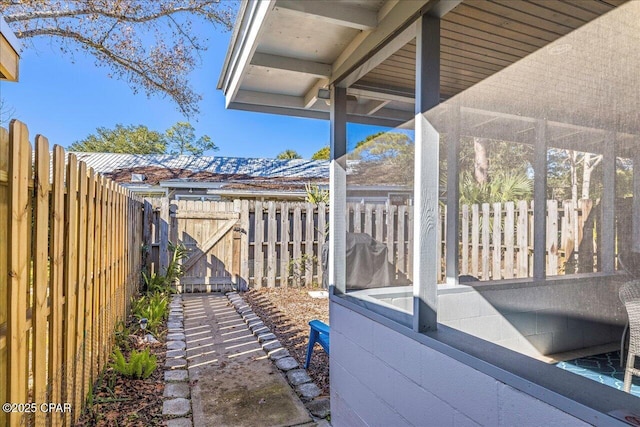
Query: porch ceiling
point(283, 51)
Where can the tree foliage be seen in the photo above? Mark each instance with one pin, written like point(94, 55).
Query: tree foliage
point(178, 139)
point(288, 154)
point(384, 158)
point(152, 45)
point(322, 154)
point(123, 139)
point(181, 139)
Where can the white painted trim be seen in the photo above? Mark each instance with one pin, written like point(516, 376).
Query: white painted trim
point(249, 43)
point(10, 36)
point(334, 13)
point(295, 65)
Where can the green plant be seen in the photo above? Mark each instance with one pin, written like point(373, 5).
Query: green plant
point(153, 307)
point(316, 195)
point(140, 364)
point(122, 333)
point(299, 267)
point(156, 283)
point(162, 283)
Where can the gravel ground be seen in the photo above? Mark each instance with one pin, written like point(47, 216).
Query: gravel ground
point(287, 312)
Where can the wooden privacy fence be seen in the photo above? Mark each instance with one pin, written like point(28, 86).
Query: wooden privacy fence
point(280, 243)
point(276, 243)
point(69, 262)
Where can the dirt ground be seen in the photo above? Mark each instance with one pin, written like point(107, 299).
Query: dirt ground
point(287, 312)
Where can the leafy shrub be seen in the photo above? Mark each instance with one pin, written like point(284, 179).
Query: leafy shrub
point(140, 365)
point(162, 283)
point(122, 333)
point(153, 307)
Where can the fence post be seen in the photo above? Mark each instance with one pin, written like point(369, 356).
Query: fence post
point(18, 266)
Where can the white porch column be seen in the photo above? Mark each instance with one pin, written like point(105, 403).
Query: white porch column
point(540, 201)
point(338, 189)
point(426, 179)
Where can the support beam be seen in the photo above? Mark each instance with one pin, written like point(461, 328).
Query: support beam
point(295, 65)
point(367, 42)
point(368, 108)
point(426, 261)
point(312, 95)
point(453, 196)
point(333, 13)
point(381, 96)
point(380, 56)
point(607, 251)
point(338, 190)
point(540, 200)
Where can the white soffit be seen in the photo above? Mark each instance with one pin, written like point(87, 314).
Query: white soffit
point(284, 51)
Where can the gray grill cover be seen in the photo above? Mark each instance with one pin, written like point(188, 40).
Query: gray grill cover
point(367, 265)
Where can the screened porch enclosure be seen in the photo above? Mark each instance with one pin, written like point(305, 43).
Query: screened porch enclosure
point(549, 90)
point(539, 272)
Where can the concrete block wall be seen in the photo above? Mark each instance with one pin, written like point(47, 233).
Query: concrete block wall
point(537, 319)
point(380, 377)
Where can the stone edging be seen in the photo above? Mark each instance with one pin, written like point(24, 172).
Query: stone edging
point(176, 408)
point(298, 378)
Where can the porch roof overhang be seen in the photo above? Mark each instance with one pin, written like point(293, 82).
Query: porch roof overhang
point(284, 54)
point(9, 53)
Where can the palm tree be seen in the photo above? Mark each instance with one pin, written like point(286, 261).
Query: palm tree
point(288, 154)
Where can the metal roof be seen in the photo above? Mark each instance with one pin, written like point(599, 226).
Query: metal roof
point(256, 167)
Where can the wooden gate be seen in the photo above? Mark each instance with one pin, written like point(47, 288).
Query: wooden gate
point(210, 233)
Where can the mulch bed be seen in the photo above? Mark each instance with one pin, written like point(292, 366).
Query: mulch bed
point(287, 312)
point(120, 401)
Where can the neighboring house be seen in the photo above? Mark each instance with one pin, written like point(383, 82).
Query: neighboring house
point(9, 53)
point(550, 74)
point(215, 178)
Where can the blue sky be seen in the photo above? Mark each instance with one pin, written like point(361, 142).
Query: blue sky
point(66, 99)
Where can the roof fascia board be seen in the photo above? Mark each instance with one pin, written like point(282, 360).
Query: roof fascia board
point(233, 48)
point(343, 15)
point(248, 43)
point(10, 36)
point(291, 64)
point(361, 47)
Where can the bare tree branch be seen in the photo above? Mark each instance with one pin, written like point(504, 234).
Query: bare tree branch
point(149, 44)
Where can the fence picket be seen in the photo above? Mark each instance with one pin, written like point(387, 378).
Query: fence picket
point(497, 242)
point(297, 239)
point(272, 235)
point(322, 224)
point(552, 238)
point(258, 248)
point(475, 239)
point(285, 238)
point(464, 264)
point(486, 248)
point(40, 275)
point(522, 239)
point(508, 239)
point(310, 237)
point(4, 249)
